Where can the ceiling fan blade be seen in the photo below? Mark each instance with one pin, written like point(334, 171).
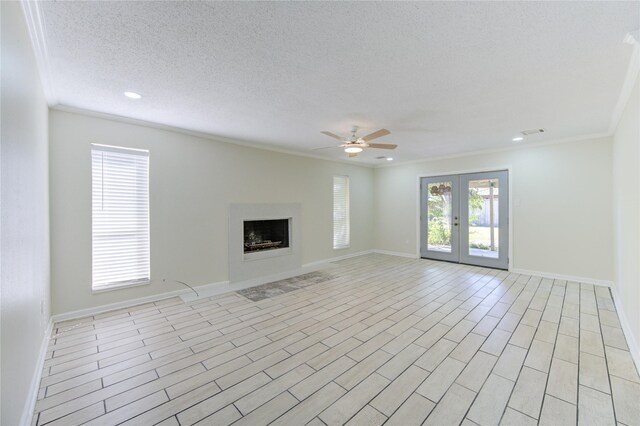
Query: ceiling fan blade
point(325, 147)
point(383, 145)
point(353, 154)
point(374, 135)
point(332, 135)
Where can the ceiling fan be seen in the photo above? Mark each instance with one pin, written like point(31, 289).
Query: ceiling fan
point(354, 145)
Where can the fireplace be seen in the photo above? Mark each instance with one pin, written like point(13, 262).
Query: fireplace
point(264, 240)
point(265, 235)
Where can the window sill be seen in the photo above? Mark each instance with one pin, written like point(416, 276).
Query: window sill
point(341, 248)
point(119, 286)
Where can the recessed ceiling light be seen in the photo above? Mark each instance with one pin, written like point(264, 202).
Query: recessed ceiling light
point(132, 95)
point(532, 131)
point(389, 159)
point(517, 139)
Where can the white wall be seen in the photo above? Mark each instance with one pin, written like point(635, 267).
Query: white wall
point(561, 195)
point(192, 183)
point(626, 184)
point(24, 216)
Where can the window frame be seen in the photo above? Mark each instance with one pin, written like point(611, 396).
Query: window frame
point(344, 181)
point(136, 184)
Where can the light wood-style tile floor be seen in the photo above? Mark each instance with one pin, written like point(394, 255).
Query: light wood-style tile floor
point(389, 340)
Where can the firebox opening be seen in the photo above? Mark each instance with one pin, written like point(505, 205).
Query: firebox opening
point(263, 235)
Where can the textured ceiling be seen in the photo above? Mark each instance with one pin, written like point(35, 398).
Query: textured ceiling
point(444, 77)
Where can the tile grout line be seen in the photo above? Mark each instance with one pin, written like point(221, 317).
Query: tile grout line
point(529, 348)
point(410, 286)
point(555, 342)
point(502, 352)
point(606, 358)
point(375, 371)
point(579, 354)
point(435, 403)
point(454, 381)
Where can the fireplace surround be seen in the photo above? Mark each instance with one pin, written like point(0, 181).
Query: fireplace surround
point(264, 239)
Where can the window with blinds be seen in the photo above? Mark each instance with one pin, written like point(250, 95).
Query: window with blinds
point(120, 216)
point(341, 212)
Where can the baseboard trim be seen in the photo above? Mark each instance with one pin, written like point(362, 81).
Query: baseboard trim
point(220, 287)
point(396, 253)
point(336, 259)
point(225, 286)
point(214, 289)
point(555, 276)
point(81, 313)
point(206, 290)
point(634, 347)
point(32, 396)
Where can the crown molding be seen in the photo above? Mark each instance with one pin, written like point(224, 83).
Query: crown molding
point(215, 138)
point(632, 38)
point(35, 25)
point(202, 135)
point(518, 147)
point(37, 29)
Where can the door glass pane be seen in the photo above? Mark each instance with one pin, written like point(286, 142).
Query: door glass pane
point(439, 216)
point(484, 221)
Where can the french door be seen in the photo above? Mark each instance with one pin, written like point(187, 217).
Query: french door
point(464, 218)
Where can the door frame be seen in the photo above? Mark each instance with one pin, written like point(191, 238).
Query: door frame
point(454, 254)
point(509, 170)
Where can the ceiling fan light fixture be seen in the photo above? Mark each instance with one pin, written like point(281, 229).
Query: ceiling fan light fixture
point(355, 145)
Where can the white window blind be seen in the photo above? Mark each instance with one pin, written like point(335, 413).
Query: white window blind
point(340, 212)
point(120, 216)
